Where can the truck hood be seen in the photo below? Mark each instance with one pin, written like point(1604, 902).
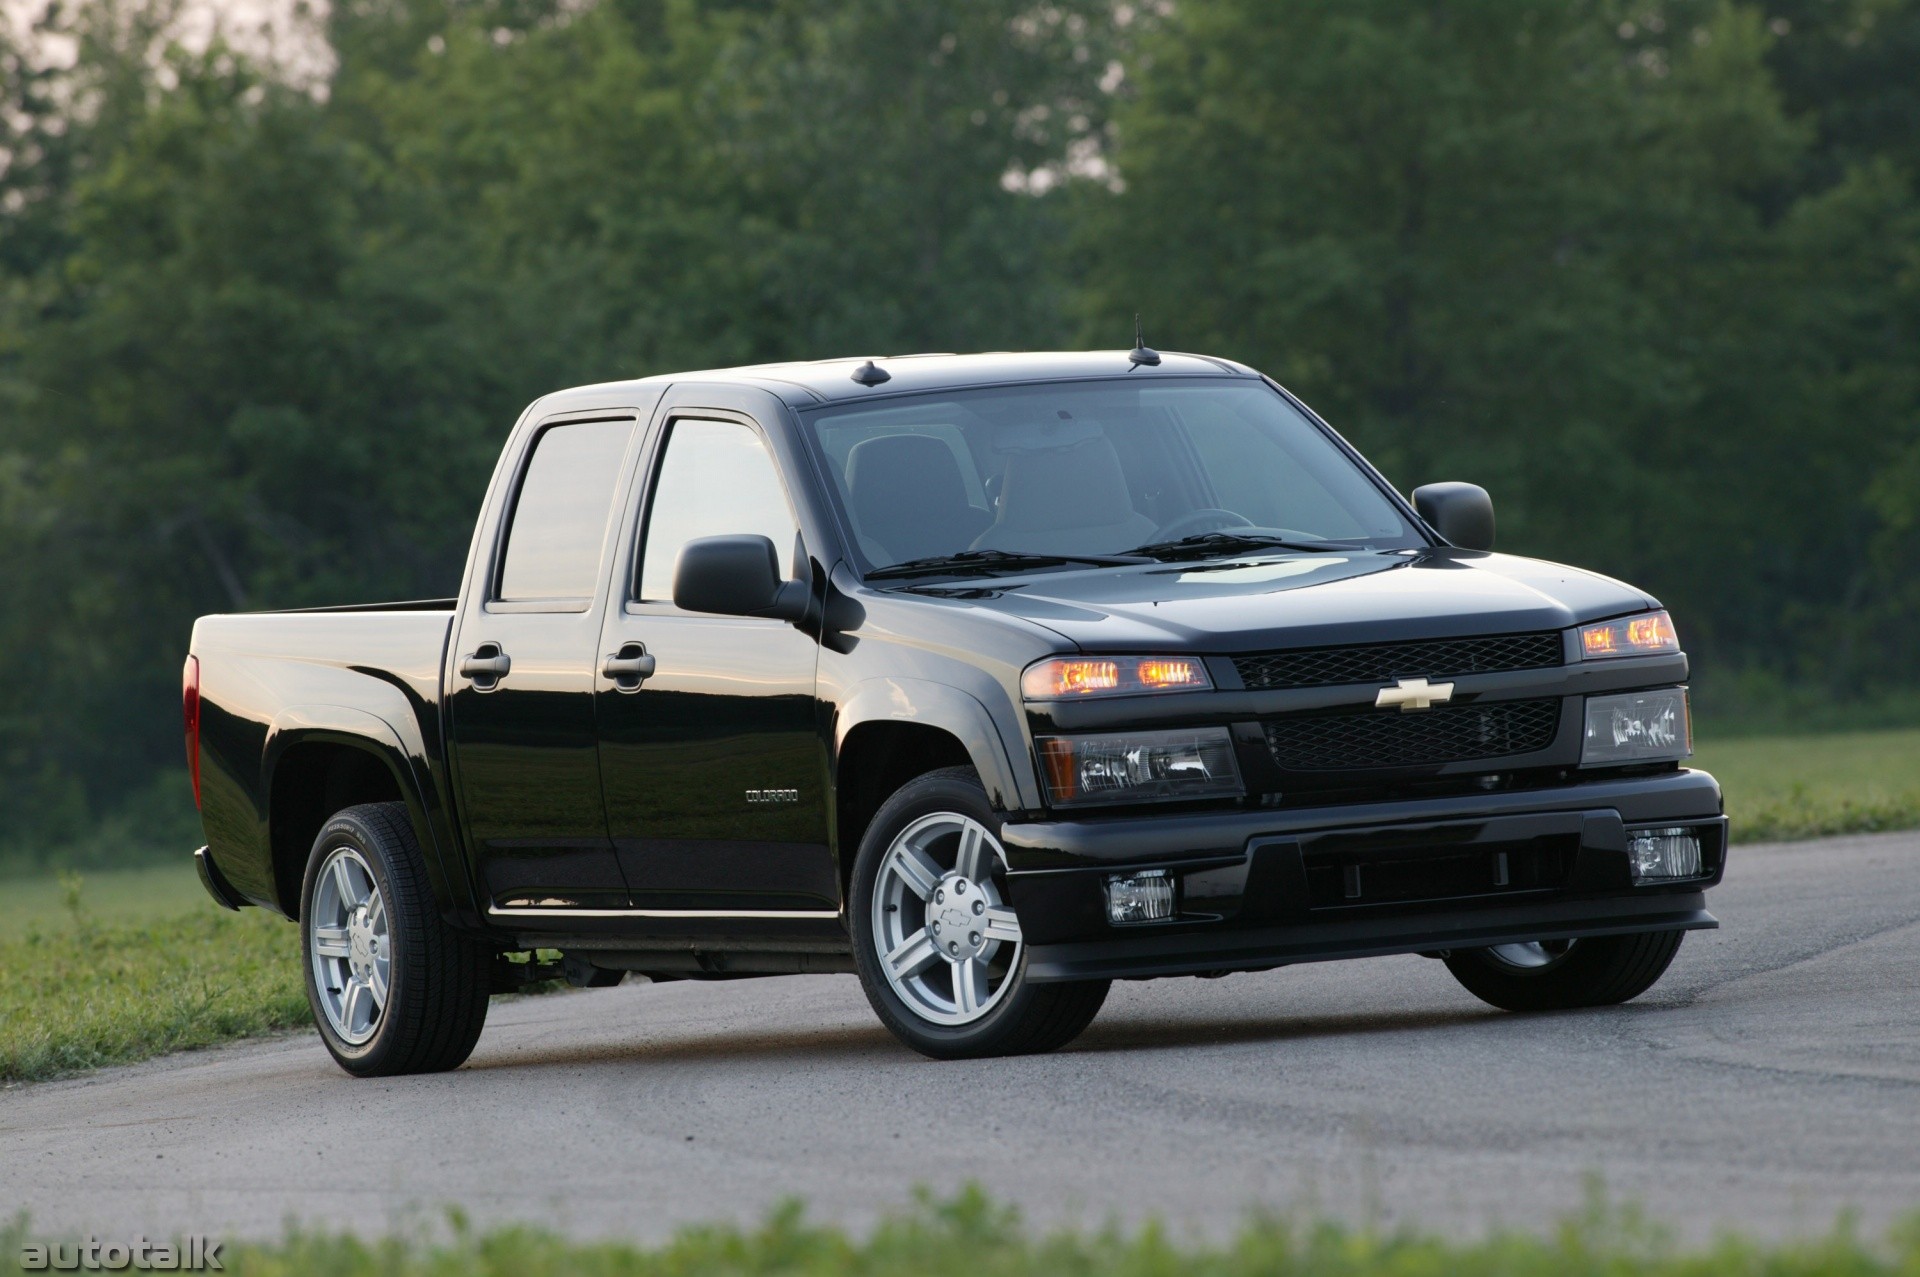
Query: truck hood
point(1309, 600)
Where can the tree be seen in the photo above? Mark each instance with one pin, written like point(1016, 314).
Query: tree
point(1533, 246)
point(274, 338)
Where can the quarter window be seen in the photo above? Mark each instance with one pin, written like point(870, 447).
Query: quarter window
point(559, 519)
point(717, 479)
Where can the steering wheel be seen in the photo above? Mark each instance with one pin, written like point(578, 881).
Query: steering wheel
point(1197, 521)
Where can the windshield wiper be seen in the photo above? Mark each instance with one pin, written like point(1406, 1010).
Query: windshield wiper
point(1204, 544)
point(986, 562)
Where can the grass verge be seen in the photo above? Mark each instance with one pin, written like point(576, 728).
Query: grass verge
point(1781, 787)
point(97, 994)
point(970, 1236)
point(84, 985)
point(61, 903)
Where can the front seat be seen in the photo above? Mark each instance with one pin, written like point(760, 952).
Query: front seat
point(1067, 501)
point(908, 499)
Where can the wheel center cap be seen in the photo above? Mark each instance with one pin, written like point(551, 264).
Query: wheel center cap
point(954, 918)
point(359, 944)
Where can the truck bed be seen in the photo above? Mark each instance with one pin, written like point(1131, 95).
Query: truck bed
point(270, 681)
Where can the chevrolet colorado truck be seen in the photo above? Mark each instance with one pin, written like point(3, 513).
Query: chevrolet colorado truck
point(990, 678)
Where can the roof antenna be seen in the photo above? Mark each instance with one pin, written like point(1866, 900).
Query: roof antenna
point(872, 374)
point(1141, 352)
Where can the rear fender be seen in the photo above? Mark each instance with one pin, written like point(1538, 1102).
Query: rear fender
point(405, 762)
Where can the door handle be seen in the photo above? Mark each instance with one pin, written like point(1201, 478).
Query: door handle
point(629, 667)
point(486, 665)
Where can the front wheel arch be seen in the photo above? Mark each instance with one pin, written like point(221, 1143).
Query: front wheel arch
point(875, 760)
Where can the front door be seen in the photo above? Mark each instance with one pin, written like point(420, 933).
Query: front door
point(521, 681)
point(710, 746)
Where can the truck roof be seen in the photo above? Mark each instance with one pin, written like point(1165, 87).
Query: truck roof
point(822, 381)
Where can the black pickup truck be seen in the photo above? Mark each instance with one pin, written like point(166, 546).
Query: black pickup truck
point(990, 678)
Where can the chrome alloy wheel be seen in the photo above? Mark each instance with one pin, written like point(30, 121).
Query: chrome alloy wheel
point(1534, 955)
point(946, 939)
point(352, 951)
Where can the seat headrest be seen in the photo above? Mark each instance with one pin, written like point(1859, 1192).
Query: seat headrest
point(908, 498)
point(1078, 487)
point(906, 471)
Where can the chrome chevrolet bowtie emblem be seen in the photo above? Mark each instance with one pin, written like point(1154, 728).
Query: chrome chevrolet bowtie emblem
point(1413, 693)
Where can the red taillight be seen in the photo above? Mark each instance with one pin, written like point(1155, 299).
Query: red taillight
point(190, 710)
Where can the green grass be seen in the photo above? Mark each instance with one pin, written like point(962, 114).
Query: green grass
point(1780, 787)
point(39, 903)
point(96, 993)
point(969, 1236)
point(114, 966)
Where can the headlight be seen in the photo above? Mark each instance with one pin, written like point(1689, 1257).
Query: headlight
point(1646, 635)
point(1638, 727)
point(1140, 766)
point(1063, 678)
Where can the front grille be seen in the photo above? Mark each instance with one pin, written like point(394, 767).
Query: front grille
point(1384, 662)
point(1381, 738)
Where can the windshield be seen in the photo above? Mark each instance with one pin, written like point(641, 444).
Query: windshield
point(1095, 471)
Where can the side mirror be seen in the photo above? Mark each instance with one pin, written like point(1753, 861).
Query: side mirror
point(1460, 512)
point(736, 576)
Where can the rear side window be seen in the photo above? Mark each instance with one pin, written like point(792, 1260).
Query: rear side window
point(559, 519)
point(717, 479)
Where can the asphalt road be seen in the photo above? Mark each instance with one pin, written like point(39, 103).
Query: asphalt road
point(1770, 1080)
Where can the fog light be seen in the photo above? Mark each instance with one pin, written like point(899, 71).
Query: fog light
point(1662, 854)
point(1141, 897)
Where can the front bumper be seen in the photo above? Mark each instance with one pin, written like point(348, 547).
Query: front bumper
point(1264, 888)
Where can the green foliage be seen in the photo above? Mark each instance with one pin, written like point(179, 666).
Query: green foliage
point(1651, 273)
point(970, 1235)
point(93, 994)
point(1563, 253)
point(269, 344)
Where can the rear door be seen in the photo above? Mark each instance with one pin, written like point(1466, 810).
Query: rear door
point(713, 762)
point(522, 670)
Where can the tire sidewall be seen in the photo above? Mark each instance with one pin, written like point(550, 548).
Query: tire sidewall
point(948, 791)
point(1589, 975)
point(347, 830)
point(1574, 958)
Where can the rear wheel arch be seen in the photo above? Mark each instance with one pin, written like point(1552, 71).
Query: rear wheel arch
point(312, 778)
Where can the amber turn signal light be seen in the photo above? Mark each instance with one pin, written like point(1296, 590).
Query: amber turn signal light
point(1644, 635)
point(1070, 677)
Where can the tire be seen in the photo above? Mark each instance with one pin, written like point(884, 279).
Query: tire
point(394, 990)
point(979, 1004)
point(1562, 975)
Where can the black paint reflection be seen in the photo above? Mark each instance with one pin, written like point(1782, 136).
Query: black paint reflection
point(529, 762)
point(715, 770)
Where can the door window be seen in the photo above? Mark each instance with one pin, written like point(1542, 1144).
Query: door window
point(559, 518)
point(716, 479)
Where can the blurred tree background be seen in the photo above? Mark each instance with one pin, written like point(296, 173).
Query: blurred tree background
point(1648, 270)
